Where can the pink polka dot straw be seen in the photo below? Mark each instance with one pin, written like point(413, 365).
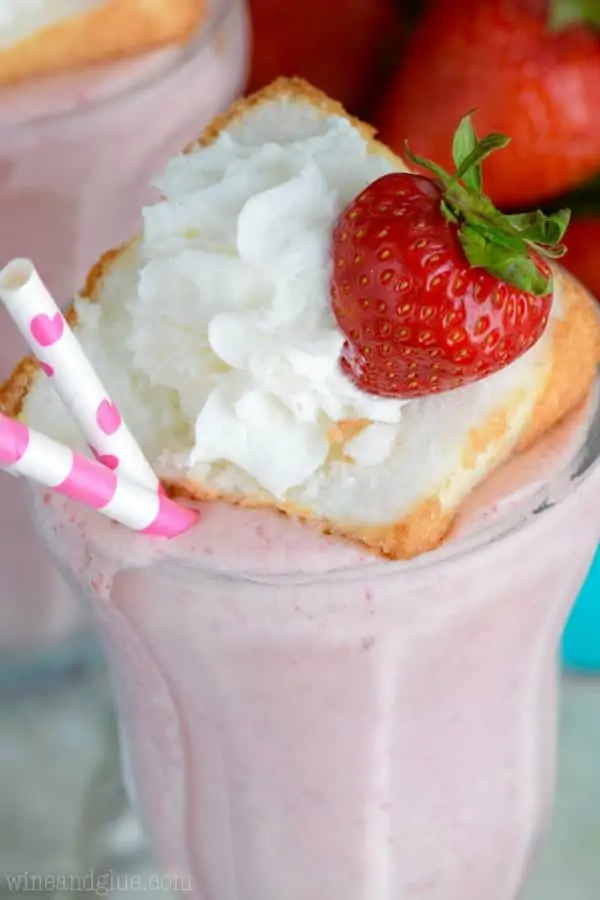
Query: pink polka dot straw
point(24, 451)
point(120, 482)
point(62, 359)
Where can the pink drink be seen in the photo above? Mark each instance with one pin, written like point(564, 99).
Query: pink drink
point(77, 153)
point(306, 722)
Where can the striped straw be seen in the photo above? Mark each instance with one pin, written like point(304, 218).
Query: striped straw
point(24, 451)
point(62, 359)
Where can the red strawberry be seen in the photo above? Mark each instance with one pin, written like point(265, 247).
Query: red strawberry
point(432, 286)
point(336, 46)
point(532, 68)
point(583, 243)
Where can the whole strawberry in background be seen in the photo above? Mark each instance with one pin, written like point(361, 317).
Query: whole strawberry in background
point(583, 251)
point(338, 46)
point(432, 286)
point(532, 70)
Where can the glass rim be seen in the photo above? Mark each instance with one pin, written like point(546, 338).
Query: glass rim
point(564, 482)
point(218, 11)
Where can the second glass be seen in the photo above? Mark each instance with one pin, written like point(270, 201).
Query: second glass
point(77, 154)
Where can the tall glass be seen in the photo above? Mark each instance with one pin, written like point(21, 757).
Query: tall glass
point(303, 721)
point(77, 154)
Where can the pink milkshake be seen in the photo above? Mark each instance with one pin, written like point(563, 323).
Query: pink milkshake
point(303, 721)
point(341, 683)
point(77, 154)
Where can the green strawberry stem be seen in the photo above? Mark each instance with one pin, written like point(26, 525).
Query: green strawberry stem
point(501, 244)
point(573, 12)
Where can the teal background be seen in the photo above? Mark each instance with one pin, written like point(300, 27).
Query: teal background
point(581, 640)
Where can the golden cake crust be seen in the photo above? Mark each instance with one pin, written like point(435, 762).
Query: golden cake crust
point(114, 29)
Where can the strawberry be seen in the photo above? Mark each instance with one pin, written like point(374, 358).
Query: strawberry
point(582, 242)
point(532, 69)
point(434, 288)
point(336, 47)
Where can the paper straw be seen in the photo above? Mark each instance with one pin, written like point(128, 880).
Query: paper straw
point(24, 451)
point(62, 359)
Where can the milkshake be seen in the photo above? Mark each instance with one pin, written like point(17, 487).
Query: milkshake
point(342, 681)
point(77, 152)
point(302, 721)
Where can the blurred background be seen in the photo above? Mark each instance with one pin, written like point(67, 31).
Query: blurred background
point(88, 115)
point(413, 68)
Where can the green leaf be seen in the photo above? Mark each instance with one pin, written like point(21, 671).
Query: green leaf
point(495, 235)
point(510, 267)
point(429, 165)
point(524, 222)
point(483, 149)
point(503, 245)
point(465, 141)
point(473, 179)
point(555, 226)
point(522, 272)
point(540, 228)
point(475, 246)
point(563, 13)
point(447, 213)
point(549, 251)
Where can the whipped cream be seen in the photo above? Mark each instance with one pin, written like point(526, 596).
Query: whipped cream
point(235, 280)
point(213, 332)
point(20, 18)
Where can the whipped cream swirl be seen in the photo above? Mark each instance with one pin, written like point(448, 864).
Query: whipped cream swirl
point(233, 307)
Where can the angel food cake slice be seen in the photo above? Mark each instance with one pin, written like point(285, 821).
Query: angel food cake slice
point(230, 334)
point(38, 37)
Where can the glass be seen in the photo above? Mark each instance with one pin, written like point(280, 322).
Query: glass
point(568, 866)
point(77, 154)
point(382, 730)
